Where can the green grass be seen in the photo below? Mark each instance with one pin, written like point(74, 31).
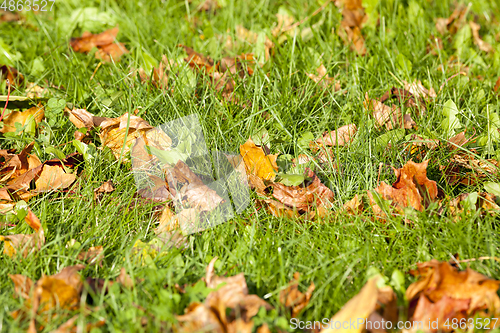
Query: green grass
point(334, 253)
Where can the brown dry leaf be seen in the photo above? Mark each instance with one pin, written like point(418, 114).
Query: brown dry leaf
point(105, 43)
point(106, 187)
point(342, 136)
point(25, 243)
point(61, 290)
point(10, 73)
point(304, 198)
point(93, 256)
point(483, 46)
point(213, 314)
point(453, 23)
point(411, 189)
point(12, 165)
point(354, 206)
point(52, 178)
point(198, 61)
point(367, 304)
point(467, 170)
point(442, 292)
point(220, 75)
point(7, 16)
point(417, 89)
point(257, 162)
point(113, 131)
point(160, 76)
point(353, 18)
point(184, 183)
point(167, 221)
point(323, 80)
point(386, 116)
point(36, 113)
point(293, 299)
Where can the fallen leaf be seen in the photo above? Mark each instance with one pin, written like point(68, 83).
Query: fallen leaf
point(483, 46)
point(411, 189)
point(341, 137)
point(353, 18)
point(106, 187)
point(52, 178)
point(293, 299)
point(442, 292)
point(304, 198)
point(25, 244)
point(105, 43)
point(61, 290)
point(93, 256)
point(323, 80)
point(365, 305)
point(257, 162)
point(35, 113)
point(229, 308)
point(453, 23)
point(388, 117)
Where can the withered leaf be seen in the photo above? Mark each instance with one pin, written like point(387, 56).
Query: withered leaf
point(366, 304)
point(107, 48)
point(257, 162)
point(293, 299)
point(411, 189)
point(342, 136)
point(443, 292)
point(323, 80)
point(35, 114)
point(25, 244)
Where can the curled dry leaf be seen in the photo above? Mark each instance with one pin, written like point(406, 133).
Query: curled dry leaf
point(323, 80)
point(93, 256)
point(371, 303)
point(257, 162)
point(61, 290)
point(388, 117)
point(220, 74)
point(106, 187)
point(483, 201)
point(113, 132)
point(185, 185)
point(53, 178)
point(293, 299)
point(35, 114)
point(442, 292)
point(411, 189)
point(304, 198)
point(25, 244)
point(466, 169)
point(159, 77)
point(453, 23)
point(107, 48)
point(353, 18)
point(213, 313)
point(417, 89)
point(342, 136)
point(483, 46)
point(13, 165)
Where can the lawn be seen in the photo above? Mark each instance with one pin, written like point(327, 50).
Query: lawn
point(278, 100)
